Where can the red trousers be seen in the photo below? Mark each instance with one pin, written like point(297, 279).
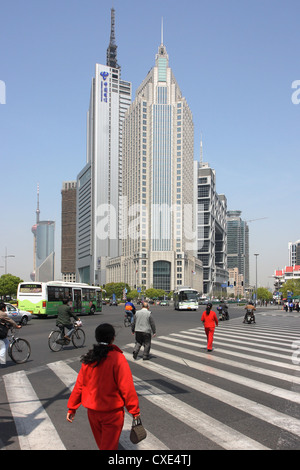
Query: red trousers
point(210, 335)
point(106, 428)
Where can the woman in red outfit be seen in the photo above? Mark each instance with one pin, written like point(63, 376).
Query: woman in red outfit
point(104, 386)
point(210, 320)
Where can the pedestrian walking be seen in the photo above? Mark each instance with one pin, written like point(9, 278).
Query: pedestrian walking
point(7, 322)
point(144, 327)
point(210, 320)
point(104, 386)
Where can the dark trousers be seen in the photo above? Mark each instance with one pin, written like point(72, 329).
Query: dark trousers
point(142, 339)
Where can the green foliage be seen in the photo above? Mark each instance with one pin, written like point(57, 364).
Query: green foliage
point(116, 288)
point(155, 293)
point(9, 285)
point(264, 294)
point(293, 285)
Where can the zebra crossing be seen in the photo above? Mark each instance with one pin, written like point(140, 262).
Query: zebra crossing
point(242, 396)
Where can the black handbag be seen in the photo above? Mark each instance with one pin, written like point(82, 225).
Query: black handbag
point(138, 432)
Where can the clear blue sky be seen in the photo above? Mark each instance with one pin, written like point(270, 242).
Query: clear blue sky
point(234, 60)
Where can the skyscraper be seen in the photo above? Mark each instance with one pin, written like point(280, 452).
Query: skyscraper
point(212, 237)
point(158, 204)
point(68, 231)
point(238, 244)
point(99, 184)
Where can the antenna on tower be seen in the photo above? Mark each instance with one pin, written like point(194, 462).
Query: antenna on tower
point(38, 205)
point(111, 53)
point(162, 31)
point(201, 152)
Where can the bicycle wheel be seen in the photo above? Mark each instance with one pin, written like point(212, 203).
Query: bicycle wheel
point(19, 350)
point(127, 322)
point(78, 338)
point(55, 342)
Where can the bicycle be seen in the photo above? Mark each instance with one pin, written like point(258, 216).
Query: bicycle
point(127, 319)
point(56, 342)
point(19, 349)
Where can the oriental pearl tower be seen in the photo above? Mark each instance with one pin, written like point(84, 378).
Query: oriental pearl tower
point(33, 229)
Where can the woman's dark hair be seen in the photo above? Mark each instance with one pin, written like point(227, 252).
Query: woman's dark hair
point(208, 308)
point(104, 334)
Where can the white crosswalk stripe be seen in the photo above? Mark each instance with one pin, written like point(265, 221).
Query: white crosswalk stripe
point(250, 371)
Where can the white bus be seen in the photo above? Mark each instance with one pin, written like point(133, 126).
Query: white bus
point(43, 298)
point(186, 298)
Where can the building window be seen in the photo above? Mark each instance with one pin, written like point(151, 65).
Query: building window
point(162, 275)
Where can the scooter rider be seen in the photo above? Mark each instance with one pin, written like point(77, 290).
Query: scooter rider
point(250, 308)
point(224, 307)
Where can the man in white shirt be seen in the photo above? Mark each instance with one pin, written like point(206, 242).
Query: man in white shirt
point(144, 327)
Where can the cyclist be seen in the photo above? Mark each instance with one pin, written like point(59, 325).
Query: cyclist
point(5, 319)
point(64, 314)
point(130, 309)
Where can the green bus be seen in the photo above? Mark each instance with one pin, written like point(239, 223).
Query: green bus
point(43, 298)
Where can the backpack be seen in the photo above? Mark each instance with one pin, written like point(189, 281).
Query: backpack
point(3, 330)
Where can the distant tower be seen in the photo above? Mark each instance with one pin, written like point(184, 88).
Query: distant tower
point(43, 247)
point(33, 229)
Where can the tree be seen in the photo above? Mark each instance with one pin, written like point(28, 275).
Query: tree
point(116, 288)
point(264, 294)
point(292, 285)
point(9, 285)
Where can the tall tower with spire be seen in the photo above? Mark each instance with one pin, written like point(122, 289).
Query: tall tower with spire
point(159, 248)
point(43, 247)
point(99, 184)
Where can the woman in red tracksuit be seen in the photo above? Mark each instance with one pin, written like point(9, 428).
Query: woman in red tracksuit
point(210, 320)
point(104, 386)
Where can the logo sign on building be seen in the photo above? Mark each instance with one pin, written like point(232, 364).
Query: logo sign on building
point(104, 86)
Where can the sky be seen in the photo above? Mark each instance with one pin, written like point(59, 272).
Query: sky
point(235, 61)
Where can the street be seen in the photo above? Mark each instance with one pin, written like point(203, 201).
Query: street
point(243, 395)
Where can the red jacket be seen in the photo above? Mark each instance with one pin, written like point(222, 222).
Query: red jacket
point(106, 387)
point(209, 320)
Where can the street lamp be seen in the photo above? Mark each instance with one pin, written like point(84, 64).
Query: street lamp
point(5, 257)
point(256, 255)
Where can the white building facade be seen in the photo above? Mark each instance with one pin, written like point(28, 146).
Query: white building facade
point(158, 225)
point(99, 184)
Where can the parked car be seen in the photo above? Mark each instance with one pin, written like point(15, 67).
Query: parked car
point(19, 316)
point(164, 303)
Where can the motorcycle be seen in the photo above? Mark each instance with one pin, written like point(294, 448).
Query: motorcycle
point(250, 318)
point(223, 314)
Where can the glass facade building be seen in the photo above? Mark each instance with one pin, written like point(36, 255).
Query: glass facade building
point(238, 244)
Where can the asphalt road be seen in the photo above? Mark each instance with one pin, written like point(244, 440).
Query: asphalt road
point(243, 395)
point(167, 321)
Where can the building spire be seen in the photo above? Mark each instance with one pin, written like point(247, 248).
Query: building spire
point(201, 152)
point(111, 54)
point(38, 205)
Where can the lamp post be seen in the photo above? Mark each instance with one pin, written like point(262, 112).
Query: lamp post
point(256, 255)
point(5, 257)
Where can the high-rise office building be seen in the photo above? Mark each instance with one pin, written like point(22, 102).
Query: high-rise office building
point(212, 235)
point(68, 231)
point(99, 184)
point(158, 204)
point(238, 244)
